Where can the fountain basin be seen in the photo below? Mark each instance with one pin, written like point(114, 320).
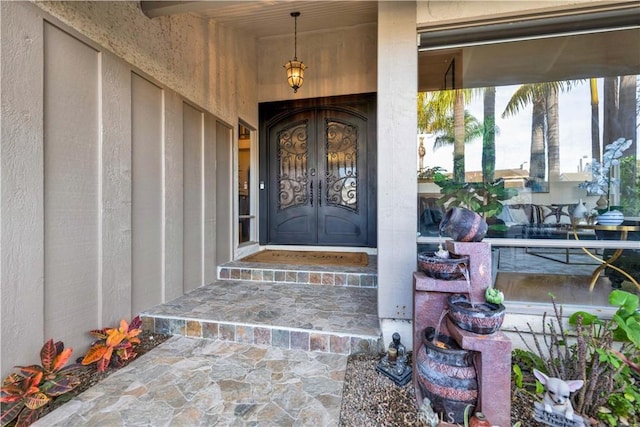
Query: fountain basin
point(446, 376)
point(482, 318)
point(442, 268)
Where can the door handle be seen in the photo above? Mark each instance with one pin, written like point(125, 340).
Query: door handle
point(320, 193)
point(312, 171)
point(311, 195)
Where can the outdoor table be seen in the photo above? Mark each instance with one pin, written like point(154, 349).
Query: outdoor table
point(604, 263)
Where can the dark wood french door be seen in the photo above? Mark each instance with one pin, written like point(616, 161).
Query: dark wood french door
point(319, 174)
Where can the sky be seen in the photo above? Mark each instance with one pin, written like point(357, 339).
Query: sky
point(513, 142)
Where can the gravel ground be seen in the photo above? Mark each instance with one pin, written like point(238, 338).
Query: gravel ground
point(371, 399)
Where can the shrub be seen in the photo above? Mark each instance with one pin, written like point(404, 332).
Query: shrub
point(605, 356)
point(115, 345)
point(23, 396)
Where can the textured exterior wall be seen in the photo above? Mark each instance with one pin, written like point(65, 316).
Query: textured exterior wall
point(397, 118)
point(21, 184)
point(67, 257)
point(340, 62)
point(204, 62)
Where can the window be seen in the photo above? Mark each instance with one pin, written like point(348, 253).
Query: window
point(516, 139)
point(246, 217)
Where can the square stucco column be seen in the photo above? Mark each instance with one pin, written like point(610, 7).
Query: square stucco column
point(397, 158)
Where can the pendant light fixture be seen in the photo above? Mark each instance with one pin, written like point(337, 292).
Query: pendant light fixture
point(295, 68)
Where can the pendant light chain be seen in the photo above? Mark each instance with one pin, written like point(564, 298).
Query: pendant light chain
point(295, 37)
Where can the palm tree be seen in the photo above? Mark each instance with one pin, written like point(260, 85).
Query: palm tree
point(430, 114)
point(595, 119)
point(620, 121)
point(489, 135)
point(458, 143)
point(445, 136)
point(434, 108)
point(553, 133)
point(544, 124)
point(524, 95)
point(627, 113)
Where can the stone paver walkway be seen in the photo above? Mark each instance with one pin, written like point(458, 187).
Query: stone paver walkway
point(196, 382)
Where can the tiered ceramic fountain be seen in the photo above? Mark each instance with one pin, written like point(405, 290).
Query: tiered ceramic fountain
point(472, 369)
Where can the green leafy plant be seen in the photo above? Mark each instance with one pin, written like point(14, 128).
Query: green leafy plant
point(623, 404)
point(481, 197)
point(526, 361)
point(23, 396)
point(630, 185)
point(625, 327)
point(430, 172)
point(114, 345)
point(605, 356)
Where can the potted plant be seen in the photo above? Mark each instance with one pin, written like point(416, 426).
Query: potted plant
point(483, 198)
point(603, 180)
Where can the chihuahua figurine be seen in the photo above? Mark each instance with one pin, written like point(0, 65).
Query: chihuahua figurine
point(556, 394)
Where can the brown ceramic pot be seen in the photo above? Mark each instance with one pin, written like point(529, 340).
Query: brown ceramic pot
point(482, 318)
point(463, 225)
point(443, 268)
point(446, 376)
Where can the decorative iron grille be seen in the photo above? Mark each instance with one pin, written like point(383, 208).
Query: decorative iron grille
point(341, 165)
point(292, 158)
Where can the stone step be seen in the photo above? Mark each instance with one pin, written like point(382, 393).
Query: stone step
point(294, 315)
point(365, 277)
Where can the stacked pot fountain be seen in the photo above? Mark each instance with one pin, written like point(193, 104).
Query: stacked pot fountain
point(453, 366)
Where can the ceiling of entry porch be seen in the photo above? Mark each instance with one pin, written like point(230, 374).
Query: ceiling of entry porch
point(271, 18)
point(597, 54)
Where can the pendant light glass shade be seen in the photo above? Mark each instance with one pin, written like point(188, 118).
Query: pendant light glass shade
point(295, 68)
point(295, 73)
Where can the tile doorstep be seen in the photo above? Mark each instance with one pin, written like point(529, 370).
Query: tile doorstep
point(309, 277)
point(288, 338)
point(282, 337)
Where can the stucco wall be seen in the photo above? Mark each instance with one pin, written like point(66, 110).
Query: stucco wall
point(397, 118)
point(206, 63)
point(340, 62)
point(105, 114)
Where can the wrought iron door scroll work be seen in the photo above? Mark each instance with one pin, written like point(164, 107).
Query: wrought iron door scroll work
point(292, 176)
point(342, 165)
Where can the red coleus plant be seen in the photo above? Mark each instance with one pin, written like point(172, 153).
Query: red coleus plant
point(24, 395)
point(115, 345)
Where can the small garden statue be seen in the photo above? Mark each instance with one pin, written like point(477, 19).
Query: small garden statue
point(400, 351)
point(394, 364)
point(556, 399)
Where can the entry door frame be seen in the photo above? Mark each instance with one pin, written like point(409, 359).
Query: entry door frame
point(273, 112)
